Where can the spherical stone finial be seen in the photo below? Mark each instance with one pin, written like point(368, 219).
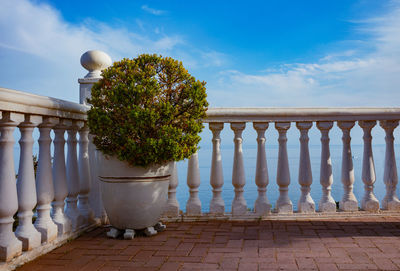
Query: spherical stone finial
point(95, 61)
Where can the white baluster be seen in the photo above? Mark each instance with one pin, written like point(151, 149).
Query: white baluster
point(217, 205)
point(239, 206)
point(327, 203)
point(71, 208)
point(390, 178)
point(84, 176)
point(44, 183)
point(10, 246)
point(369, 202)
point(60, 180)
point(306, 203)
point(349, 201)
point(283, 204)
point(26, 186)
point(261, 205)
point(172, 207)
point(193, 205)
point(95, 200)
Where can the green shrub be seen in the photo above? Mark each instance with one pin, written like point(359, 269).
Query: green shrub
point(147, 110)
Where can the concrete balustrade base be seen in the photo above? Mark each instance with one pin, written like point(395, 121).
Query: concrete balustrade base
point(262, 208)
point(30, 241)
point(285, 209)
point(348, 206)
point(370, 205)
point(10, 251)
point(327, 207)
point(393, 205)
point(306, 207)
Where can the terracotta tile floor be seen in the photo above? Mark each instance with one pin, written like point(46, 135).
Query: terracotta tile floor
point(297, 244)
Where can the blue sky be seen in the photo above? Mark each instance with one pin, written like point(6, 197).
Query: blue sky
point(254, 53)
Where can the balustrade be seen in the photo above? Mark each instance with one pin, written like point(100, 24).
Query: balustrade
point(44, 193)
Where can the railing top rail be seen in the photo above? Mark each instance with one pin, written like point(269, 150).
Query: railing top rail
point(24, 102)
point(282, 114)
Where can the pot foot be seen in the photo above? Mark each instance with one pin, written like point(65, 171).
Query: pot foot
point(129, 234)
point(114, 233)
point(159, 227)
point(150, 231)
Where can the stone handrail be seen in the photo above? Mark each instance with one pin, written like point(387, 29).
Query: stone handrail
point(301, 114)
point(27, 103)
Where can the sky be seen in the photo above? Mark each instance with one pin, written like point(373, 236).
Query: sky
point(251, 53)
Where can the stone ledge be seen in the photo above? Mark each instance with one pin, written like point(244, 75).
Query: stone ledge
point(276, 216)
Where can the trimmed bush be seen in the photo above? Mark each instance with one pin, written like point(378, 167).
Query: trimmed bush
point(147, 110)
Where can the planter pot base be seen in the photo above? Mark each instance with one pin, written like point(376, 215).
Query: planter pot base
point(129, 234)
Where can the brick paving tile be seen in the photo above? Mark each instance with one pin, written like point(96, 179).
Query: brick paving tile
point(370, 243)
point(385, 264)
point(248, 266)
point(170, 266)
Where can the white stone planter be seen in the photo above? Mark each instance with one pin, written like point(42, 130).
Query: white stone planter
point(133, 197)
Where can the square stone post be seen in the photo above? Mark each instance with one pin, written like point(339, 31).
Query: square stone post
point(93, 61)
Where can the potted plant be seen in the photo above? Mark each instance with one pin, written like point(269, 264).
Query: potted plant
point(146, 113)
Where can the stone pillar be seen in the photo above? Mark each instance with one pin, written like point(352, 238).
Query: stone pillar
point(284, 204)
point(390, 178)
point(84, 176)
point(172, 207)
point(10, 246)
point(239, 206)
point(26, 186)
point(349, 201)
point(44, 183)
point(369, 201)
point(93, 61)
point(193, 205)
point(71, 208)
point(327, 204)
point(306, 203)
point(217, 205)
point(60, 180)
point(261, 205)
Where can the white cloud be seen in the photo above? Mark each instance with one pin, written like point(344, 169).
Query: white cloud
point(40, 52)
point(354, 77)
point(152, 10)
